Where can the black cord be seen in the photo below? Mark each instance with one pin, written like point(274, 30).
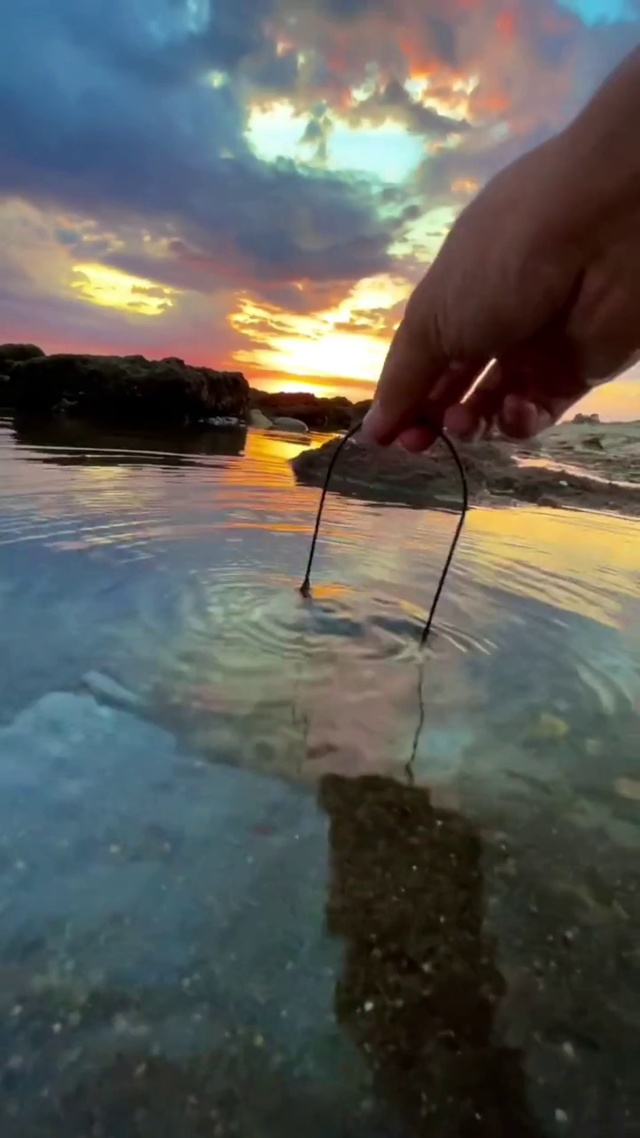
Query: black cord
point(305, 587)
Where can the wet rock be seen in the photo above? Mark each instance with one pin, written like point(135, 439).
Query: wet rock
point(319, 414)
point(377, 474)
point(127, 389)
point(11, 354)
point(258, 419)
point(283, 423)
point(492, 469)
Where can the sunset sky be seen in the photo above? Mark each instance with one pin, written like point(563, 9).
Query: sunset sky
point(257, 184)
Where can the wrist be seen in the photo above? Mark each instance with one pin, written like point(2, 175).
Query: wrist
point(599, 152)
point(600, 174)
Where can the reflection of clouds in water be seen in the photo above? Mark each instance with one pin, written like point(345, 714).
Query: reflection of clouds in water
point(564, 560)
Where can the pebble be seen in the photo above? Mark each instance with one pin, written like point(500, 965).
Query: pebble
point(549, 726)
point(562, 1116)
point(628, 788)
point(223, 421)
point(105, 687)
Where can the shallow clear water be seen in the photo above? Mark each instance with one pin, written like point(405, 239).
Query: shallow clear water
point(227, 905)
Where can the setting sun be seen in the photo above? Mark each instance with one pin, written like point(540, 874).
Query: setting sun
point(346, 340)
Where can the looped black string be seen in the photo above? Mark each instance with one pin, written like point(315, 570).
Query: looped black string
point(305, 587)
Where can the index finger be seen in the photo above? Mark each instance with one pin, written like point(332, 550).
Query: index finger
point(411, 369)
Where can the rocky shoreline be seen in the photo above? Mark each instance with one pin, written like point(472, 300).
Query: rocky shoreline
point(129, 390)
point(583, 465)
point(316, 412)
point(118, 389)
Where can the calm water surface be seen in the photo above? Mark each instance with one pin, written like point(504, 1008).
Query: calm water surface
point(235, 898)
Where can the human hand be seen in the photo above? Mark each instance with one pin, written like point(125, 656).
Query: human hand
point(532, 276)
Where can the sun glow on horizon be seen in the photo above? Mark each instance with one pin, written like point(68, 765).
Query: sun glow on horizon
point(298, 386)
point(348, 340)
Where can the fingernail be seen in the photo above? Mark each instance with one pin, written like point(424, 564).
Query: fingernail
point(460, 422)
point(373, 424)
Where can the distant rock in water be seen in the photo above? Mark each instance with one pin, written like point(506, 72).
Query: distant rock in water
point(580, 418)
point(284, 423)
point(257, 419)
point(127, 389)
point(317, 413)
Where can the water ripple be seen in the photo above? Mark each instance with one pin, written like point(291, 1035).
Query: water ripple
point(224, 538)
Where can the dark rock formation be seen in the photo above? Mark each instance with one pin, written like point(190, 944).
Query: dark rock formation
point(393, 475)
point(126, 389)
point(319, 414)
point(11, 354)
point(15, 353)
point(580, 418)
point(493, 471)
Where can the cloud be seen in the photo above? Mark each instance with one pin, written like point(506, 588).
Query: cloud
point(129, 164)
point(393, 101)
point(113, 115)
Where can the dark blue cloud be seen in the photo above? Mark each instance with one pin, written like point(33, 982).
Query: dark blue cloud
point(105, 109)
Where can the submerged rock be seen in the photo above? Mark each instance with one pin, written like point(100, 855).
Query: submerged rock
point(127, 389)
point(223, 421)
point(104, 687)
